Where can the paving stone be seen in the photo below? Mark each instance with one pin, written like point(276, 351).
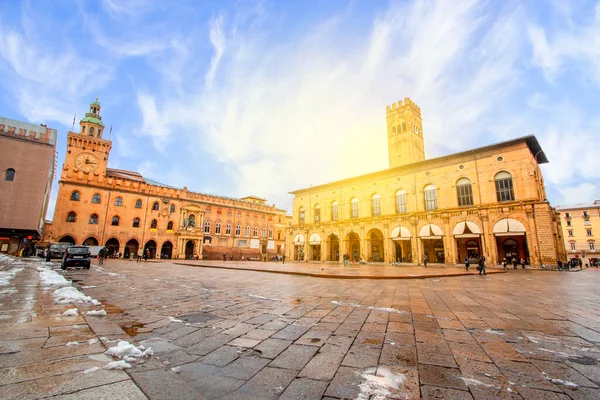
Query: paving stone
point(345, 383)
point(210, 344)
point(442, 377)
point(314, 338)
point(161, 384)
point(261, 319)
point(372, 339)
point(343, 342)
point(400, 327)
point(221, 356)
point(324, 364)
point(179, 332)
point(563, 372)
point(242, 342)
point(271, 348)
point(239, 329)
point(294, 357)
point(244, 367)
point(531, 393)
point(120, 390)
point(304, 389)
point(275, 325)
point(361, 357)
point(406, 381)
point(484, 393)
point(291, 332)
point(468, 351)
point(258, 334)
point(405, 356)
point(438, 393)
point(267, 384)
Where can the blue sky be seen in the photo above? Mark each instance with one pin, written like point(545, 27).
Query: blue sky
point(264, 97)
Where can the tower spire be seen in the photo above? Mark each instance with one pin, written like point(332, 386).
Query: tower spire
point(92, 124)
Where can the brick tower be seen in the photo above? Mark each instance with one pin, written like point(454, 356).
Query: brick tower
point(405, 133)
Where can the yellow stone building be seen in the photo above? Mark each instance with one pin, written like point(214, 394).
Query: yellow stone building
point(486, 201)
point(580, 226)
point(125, 211)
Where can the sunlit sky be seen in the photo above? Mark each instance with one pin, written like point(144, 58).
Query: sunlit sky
point(238, 98)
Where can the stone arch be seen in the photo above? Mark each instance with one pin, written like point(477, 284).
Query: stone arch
point(150, 245)
point(90, 241)
point(68, 239)
point(166, 250)
point(375, 245)
point(131, 248)
point(352, 240)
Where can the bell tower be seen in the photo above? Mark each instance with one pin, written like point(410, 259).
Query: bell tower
point(405, 133)
point(87, 151)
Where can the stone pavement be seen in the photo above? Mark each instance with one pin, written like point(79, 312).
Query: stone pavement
point(233, 334)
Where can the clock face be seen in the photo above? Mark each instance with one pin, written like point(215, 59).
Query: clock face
point(86, 162)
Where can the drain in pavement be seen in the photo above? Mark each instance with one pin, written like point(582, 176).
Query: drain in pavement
point(198, 317)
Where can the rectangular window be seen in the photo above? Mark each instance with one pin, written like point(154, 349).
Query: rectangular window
point(354, 213)
point(567, 215)
point(301, 217)
point(401, 203)
point(573, 246)
point(334, 212)
point(586, 214)
point(241, 243)
point(504, 189)
point(588, 232)
point(376, 207)
point(317, 215)
point(465, 195)
point(592, 247)
point(570, 232)
point(238, 230)
point(430, 200)
point(569, 223)
point(587, 222)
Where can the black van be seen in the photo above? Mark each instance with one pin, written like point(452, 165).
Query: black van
point(77, 256)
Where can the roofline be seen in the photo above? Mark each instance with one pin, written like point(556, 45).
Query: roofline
point(578, 206)
point(530, 140)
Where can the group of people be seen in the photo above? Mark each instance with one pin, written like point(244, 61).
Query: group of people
point(513, 261)
point(141, 254)
point(480, 265)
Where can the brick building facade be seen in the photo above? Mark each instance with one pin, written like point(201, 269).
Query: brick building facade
point(581, 225)
point(486, 201)
point(125, 211)
point(27, 156)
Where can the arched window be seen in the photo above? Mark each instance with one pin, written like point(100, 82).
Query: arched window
point(354, 208)
point(138, 203)
point(118, 202)
point(376, 205)
point(192, 220)
point(263, 232)
point(255, 231)
point(464, 191)
point(96, 198)
point(401, 201)
point(153, 224)
point(301, 216)
point(172, 208)
point(218, 228)
point(228, 229)
point(270, 233)
point(504, 186)
point(317, 211)
point(9, 175)
point(334, 211)
point(238, 230)
point(155, 206)
point(136, 223)
point(71, 217)
point(94, 219)
point(247, 231)
point(170, 226)
point(75, 195)
point(207, 227)
point(430, 197)
point(115, 221)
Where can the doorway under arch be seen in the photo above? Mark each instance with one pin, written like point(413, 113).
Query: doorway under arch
point(354, 246)
point(190, 245)
point(91, 241)
point(113, 246)
point(166, 251)
point(131, 248)
point(375, 241)
point(334, 248)
point(67, 239)
point(150, 245)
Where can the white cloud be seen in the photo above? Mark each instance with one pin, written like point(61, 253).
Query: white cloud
point(578, 194)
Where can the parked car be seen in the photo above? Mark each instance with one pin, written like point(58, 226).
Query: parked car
point(56, 250)
point(77, 256)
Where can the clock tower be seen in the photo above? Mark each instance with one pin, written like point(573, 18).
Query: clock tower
point(87, 151)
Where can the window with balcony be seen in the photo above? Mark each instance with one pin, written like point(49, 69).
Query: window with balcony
point(573, 248)
point(592, 246)
point(401, 201)
point(430, 196)
point(263, 233)
point(570, 232)
point(376, 205)
point(270, 233)
point(191, 220)
point(464, 191)
point(504, 187)
point(588, 232)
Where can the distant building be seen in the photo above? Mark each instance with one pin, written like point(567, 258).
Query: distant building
point(126, 212)
point(580, 227)
point(486, 201)
point(27, 156)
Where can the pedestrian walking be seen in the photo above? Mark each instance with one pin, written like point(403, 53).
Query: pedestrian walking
point(514, 262)
point(560, 265)
point(425, 259)
point(146, 255)
point(482, 266)
point(346, 260)
point(467, 263)
point(224, 257)
point(101, 255)
point(140, 253)
point(283, 259)
point(504, 264)
point(522, 262)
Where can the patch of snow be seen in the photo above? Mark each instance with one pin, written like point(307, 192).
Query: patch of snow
point(176, 369)
point(49, 277)
point(385, 309)
point(172, 319)
point(72, 344)
point(90, 370)
point(113, 274)
point(88, 287)
point(117, 365)
point(377, 387)
point(494, 332)
point(96, 312)
point(533, 339)
point(126, 349)
point(559, 381)
point(6, 276)
point(475, 382)
point(69, 294)
point(262, 297)
point(71, 311)
point(93, 341)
